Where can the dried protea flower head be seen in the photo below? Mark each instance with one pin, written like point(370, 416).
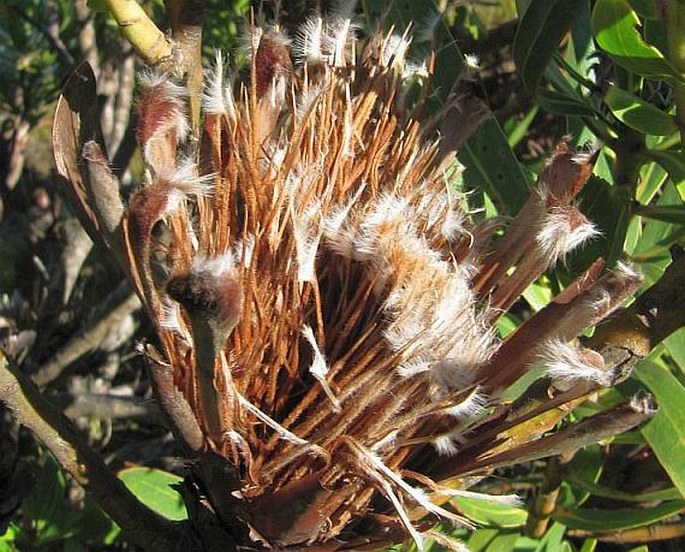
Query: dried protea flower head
point(325, 305)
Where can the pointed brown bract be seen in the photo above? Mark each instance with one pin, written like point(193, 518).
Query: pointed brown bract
point(325, 306)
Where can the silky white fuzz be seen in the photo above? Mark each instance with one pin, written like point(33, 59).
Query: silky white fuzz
point(563, 228)
point(471, 407)
point(567, 364)
point(307, 231)
point(185, 179)
point(445, 445)
point(308, 45)
point(319, 367)
point(285, 434)
point(418, 495)
point(218, 95)
point(394, 51)
point(244, 250)
point(218, 266)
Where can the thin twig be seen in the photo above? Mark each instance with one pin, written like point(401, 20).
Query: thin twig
point(120, 304)
point(108, 406)
point(141, 525)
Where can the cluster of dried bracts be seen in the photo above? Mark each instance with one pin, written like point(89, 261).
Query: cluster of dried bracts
point(324, 304)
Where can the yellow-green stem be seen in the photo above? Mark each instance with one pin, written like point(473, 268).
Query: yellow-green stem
point(147, 39)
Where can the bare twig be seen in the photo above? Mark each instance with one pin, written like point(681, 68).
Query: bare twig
point(120, 304)
point(108, 406)
point(143, 526)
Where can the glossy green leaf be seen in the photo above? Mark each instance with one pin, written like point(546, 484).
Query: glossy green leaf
point(589, 545)
point(553, 540)
point(674, 347)
point(638, 114)
point(491, 166)
point(153, 488)
point(615, 26)
point(665, 433)
point(652, 178)
point(503, 541)
point(657, 235)
point(672, 161)
point(491, 513)
point(597, 520)
point(540, 30)
point(480, 540)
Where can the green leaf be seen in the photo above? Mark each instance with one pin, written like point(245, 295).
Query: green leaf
point(587, 466)
point(491, 166)
point(615, 26)
point(638, 114)
point(666, 213)
point(553, 539)
point(665, 433)
point(599, 521)
point(503, 541)
point(491, 513)
point(561, 103)
point(540, 30)
point(672, 161)
point(605, 492)
point(153, 488)
point(674, 347)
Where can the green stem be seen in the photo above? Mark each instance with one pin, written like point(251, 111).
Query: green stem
point(147, 39)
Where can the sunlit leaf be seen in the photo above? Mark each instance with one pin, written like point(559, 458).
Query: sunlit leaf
point(638, 114)
point(665, 433)
point(153, 488)
point(491, 513)
point(615, 26)
point(600, 520)
point(672, 161)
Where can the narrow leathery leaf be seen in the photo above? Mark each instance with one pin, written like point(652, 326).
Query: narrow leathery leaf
point(638, 114)
point(538, 36)
point(491, 513)
point(605, 492)
point(596, 520)
point(501, 178)
point(666, 433)
point(667, 213)
point(672, 161)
